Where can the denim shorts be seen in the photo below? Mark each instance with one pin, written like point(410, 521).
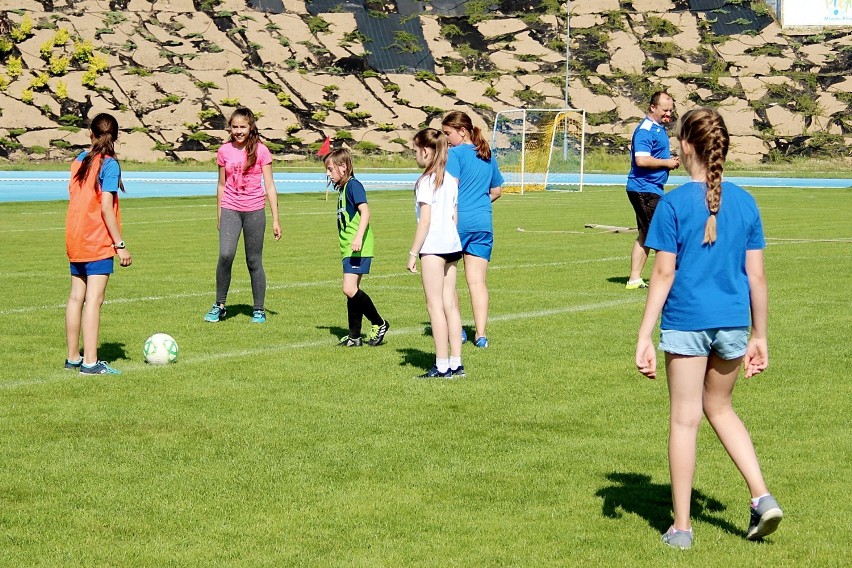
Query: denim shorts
point(477, 243)
point(92, 268)
point(357, 264)
point(728, 343)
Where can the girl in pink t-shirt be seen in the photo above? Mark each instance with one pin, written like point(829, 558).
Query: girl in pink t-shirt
point(240, 197)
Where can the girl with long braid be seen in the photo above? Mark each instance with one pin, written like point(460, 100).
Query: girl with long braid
point(92, 240)
point(709, 284)
point(240, 198)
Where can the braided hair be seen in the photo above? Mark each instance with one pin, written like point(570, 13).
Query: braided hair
point(705, 130)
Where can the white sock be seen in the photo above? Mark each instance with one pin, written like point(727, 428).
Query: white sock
point(755, 500)
point(442, 364)
point(455, 362)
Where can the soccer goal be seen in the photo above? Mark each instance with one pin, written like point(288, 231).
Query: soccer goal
point(540, 149)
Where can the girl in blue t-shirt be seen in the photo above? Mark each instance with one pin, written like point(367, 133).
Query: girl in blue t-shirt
point(471, 162)
point(709, 283)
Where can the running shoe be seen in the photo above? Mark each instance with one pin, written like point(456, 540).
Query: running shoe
point(99, 368)
point(636, 284)
point(259, 316)
point(216, 313)
point(377, 333)
point(350, 342)
point(481, 342)
point(458, 372)
point(765, 518)
point(678, 539)
point(73, 365)
point(434, 373)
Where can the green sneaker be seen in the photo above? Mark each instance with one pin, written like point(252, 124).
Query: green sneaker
point(636, 284)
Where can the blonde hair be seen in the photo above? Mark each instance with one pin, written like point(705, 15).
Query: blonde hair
point(706, 132)
point(253, 136)
point(437, 141)
point(338, 157)
point(458, 120)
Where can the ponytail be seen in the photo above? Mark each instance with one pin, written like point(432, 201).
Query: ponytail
point(104, 130)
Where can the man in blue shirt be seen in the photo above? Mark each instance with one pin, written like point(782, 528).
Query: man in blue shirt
point(651, 161)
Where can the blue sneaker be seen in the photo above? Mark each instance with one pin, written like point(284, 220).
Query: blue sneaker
point(434, 373)
point(458, 372)
point(73, 365)
point(259, 316)
point(99, 368)
point(481, 342)
point(464, 336)
point(216, 313)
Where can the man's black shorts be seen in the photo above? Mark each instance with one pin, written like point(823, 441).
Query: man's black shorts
point(644, 205)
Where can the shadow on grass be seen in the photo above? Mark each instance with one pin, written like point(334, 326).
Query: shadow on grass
point(416, 358)
point(620, 280)
point(635, 493)
point(244, 310)
point(112, 352)
point(427, 329)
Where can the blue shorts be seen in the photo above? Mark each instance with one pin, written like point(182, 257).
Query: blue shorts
point(728, 343)
point(357, 264)
point(477, 243)
point(92, 268)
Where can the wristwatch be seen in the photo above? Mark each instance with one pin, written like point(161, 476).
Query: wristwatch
point(119, 245)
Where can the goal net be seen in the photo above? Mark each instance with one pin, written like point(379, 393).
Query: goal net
point(540, 149)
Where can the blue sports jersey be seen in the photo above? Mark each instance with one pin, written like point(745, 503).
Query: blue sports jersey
point(710, 288)
point(649, 139)
point(476, 178)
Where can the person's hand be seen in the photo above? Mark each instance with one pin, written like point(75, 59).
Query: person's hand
point(276, 230)
point(674, 163)
point(124, 257)
point(412, 264)
point(646, 358)
point(357, 243)
point(756, 359)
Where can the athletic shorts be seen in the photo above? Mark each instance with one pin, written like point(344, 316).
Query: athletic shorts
point(644, 205)
point(92, 268)
point(728, 343)
point(477, 243)
point(447, 256)
point(357, 264)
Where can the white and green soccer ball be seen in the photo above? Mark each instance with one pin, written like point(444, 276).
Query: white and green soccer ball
point(160, 349)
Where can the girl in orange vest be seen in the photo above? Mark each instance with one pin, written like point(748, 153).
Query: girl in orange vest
point(92, 239)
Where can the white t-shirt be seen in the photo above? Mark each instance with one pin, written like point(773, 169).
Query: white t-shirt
point(443, 236)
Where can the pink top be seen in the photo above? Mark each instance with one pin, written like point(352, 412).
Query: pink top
point(243, 191)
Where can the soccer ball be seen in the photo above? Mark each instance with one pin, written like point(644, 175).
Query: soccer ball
point(160, 349)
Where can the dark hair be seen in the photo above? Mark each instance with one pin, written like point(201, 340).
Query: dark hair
point(655, 98)
point(706, 132)
point(458, 120)
point(338, 157)
point(436, 140)
point(104, 129)
point(253, 136)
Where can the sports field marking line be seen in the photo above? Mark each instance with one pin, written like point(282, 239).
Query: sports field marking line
point(204, 359)
point(798, 241)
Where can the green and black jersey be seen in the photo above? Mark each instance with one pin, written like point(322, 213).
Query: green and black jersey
point(348, 217)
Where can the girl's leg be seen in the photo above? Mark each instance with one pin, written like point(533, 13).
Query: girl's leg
point(718, 387)
point(475, 269)
point(432, 269)
point(351, 283)
point(230, 225)
point(451, 308)
point(254, 227)
point(74, 316)
point(686, 388)
point(95, 291)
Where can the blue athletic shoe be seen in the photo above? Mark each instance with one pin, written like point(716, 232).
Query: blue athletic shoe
point(481, 342)
point(259, 316)
point(73, 365)
point(99, 368)
point(464, 336)
point(458, 372)
point(216, 313)
point(434, 373)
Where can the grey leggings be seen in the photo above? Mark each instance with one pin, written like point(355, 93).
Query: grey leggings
point(253, 226)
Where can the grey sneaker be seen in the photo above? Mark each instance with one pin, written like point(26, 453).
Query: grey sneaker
point(764, 518)
point(351, 342)
point(678, 539)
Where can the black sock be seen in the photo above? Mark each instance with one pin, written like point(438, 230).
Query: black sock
point(368, 309)
point(353, 307)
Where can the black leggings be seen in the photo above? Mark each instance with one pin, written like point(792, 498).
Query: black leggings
point(253, 226)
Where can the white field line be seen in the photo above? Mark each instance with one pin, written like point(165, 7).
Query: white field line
point(288, 286)
point(206, 358)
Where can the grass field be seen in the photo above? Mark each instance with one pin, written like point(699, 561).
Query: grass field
point(267, 446)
